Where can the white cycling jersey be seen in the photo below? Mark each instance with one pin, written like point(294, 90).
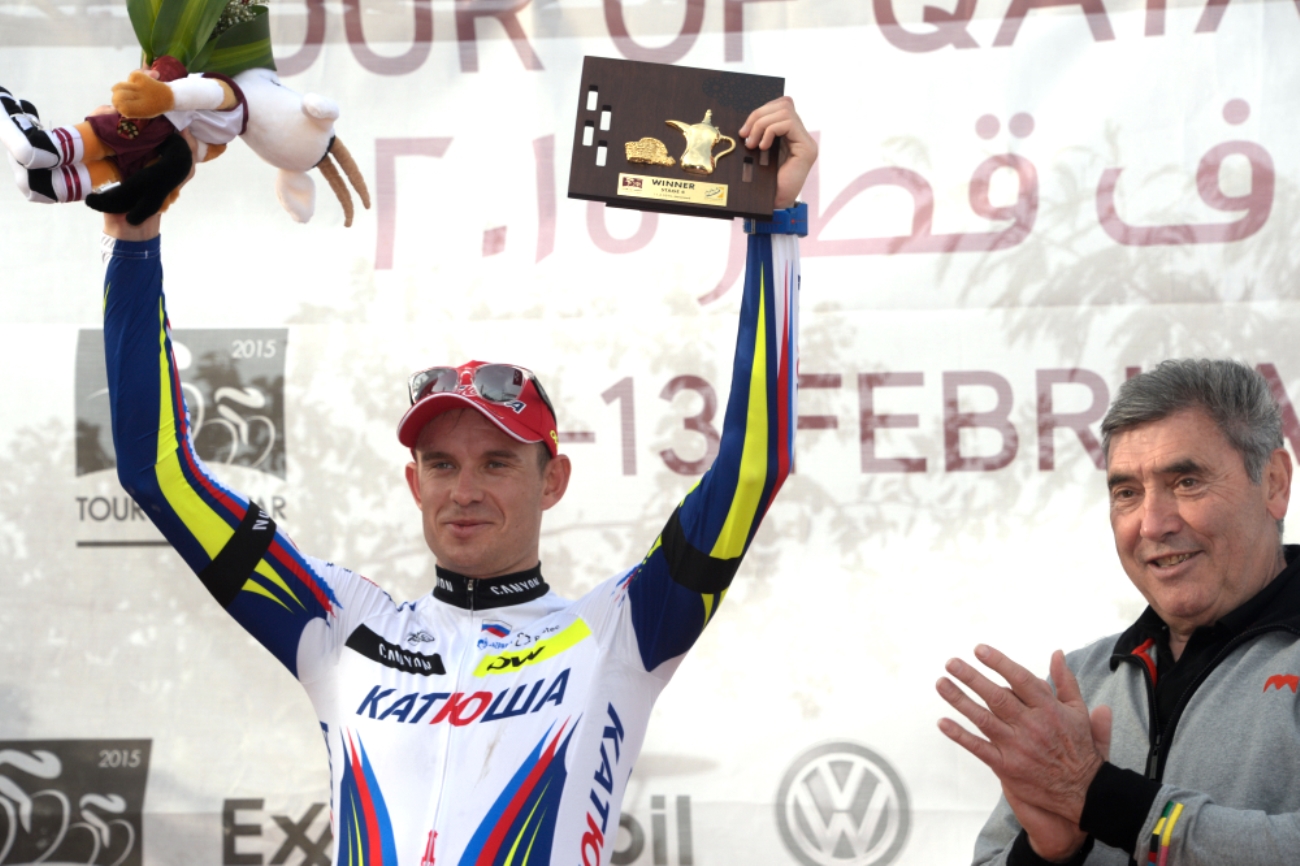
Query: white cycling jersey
point(491, 721)
point(522, 710)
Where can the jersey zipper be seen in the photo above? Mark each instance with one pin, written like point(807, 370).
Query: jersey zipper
point(447, 753)
point(1153, 757)
point(1153, 730)
point(1162, 738)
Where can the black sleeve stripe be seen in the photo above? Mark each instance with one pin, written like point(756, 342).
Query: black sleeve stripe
point(226, 574)
point(692, 568)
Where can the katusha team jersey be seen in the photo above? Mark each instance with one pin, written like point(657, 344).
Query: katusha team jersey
point(491, 721)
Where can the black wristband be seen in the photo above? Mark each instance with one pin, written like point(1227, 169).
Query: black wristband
point(1117, 806)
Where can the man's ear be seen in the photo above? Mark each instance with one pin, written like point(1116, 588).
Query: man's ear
point(555, 480)
point(1277, 478)
point(413, 482)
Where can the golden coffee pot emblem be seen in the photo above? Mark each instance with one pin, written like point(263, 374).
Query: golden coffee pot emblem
point(701, 138)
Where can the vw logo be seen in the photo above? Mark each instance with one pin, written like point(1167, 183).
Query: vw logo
point(841, 804)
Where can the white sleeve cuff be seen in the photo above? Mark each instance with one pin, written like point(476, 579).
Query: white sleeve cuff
point(197, 93)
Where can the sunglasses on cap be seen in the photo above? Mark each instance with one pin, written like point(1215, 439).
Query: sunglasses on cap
point(496, 383)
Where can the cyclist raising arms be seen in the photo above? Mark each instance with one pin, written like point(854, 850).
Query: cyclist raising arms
point(491, 719)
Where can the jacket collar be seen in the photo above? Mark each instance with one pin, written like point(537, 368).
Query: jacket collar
point(1277, 605)
point(484, 593)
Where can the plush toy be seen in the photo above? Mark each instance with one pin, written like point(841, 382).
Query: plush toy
point(211, 72)
point(295, 133)
point(147, 156)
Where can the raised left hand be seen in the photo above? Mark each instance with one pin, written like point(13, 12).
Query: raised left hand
point(778, 118)
point(1044, 747)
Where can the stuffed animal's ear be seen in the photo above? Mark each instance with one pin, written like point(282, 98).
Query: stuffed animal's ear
point(297, 193)
point(320, 107)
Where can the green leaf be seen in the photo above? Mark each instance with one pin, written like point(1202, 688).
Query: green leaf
point(143, 14)
point(247, 45)
point(182, 26)
point(201, 62)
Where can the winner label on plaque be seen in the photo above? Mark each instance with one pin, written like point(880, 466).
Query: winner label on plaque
point(655, 137)
point(664, 189)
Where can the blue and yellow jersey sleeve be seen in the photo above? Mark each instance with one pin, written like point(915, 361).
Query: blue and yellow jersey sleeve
point(677, 588)
point(247, 564)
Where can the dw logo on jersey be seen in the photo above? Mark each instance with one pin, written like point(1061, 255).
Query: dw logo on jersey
point(543, 650)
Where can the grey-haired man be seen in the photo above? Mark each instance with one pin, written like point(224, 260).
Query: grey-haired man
point(1190, 752)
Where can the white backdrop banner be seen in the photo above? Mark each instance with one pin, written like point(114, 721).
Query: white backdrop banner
point(1018, 204)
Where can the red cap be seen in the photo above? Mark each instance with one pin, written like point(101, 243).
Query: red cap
point(527, 418)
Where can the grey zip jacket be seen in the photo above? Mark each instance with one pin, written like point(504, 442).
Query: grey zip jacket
point(1220, 784)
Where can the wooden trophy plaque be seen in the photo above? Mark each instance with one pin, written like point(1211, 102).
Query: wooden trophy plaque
point(655, 137)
